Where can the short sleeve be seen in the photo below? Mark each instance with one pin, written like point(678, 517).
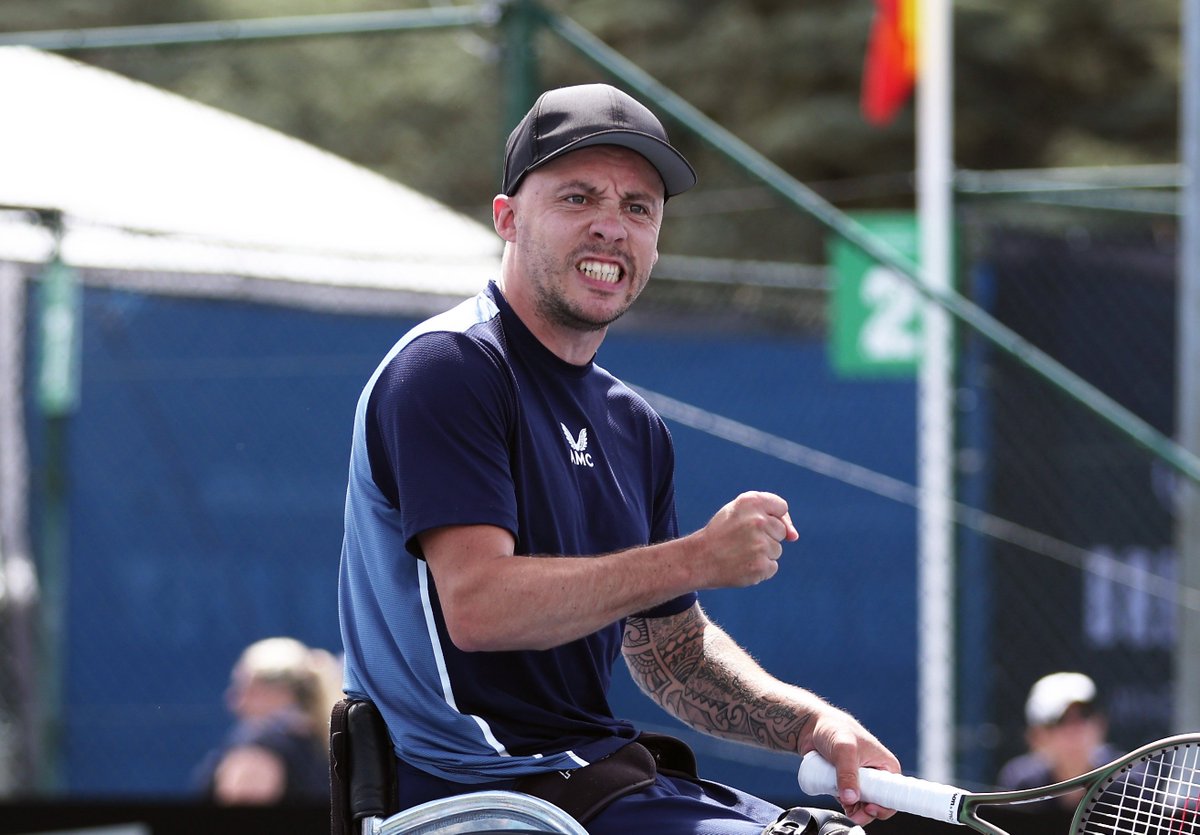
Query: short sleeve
point(438, 425)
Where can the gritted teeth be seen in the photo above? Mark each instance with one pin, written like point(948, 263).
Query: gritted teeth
point(600, 270)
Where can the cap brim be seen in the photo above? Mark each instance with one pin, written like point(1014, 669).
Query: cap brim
point(676, 172)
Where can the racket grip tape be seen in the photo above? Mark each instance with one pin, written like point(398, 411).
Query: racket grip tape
point(892, 791)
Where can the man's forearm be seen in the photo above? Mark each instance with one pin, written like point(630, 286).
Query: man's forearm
point(495, 601)
point(699, 675)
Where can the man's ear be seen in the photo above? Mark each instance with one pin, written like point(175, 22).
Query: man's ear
point(503, 217)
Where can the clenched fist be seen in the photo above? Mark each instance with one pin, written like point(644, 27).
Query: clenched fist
point(741, 544)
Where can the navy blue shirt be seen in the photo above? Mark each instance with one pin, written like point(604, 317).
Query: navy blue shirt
point(470, 420)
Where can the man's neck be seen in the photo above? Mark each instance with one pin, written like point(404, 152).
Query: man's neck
point(570, 345)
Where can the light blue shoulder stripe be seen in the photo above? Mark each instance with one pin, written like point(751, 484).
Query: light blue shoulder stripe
point(458, 319)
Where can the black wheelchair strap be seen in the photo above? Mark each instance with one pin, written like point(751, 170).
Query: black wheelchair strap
point(339, 769)
point(361, 766)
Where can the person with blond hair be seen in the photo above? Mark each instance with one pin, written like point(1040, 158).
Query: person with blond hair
point(281, 692)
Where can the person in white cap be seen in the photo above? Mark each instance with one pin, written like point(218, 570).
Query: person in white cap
point(1065, 731)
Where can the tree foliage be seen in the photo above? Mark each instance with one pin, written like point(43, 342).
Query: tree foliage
point(1076, 82)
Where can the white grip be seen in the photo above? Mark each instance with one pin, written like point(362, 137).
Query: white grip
point(892, 791)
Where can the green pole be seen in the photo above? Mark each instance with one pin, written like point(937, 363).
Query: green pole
point(58, 396)
point(520, 21)
point(223, 31)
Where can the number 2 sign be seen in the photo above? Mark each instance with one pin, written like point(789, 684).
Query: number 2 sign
point(875, 319)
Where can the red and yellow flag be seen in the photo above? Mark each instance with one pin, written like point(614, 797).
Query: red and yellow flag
point(890, 69)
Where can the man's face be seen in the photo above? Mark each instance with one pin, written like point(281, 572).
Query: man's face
point(584, 229)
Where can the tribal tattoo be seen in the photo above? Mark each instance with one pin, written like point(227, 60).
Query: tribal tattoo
point(696, 673)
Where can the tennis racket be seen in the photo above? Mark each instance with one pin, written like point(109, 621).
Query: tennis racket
point(1154, 790)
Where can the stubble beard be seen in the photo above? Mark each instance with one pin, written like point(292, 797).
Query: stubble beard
point(554, 307)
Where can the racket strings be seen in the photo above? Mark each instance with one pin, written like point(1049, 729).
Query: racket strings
point(1156, 794)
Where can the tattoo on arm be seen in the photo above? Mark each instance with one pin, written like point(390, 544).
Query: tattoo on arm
point(692, 670)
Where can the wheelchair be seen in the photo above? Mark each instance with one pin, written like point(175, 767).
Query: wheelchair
point(362, 776)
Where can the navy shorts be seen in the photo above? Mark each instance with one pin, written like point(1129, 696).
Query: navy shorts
point(675, 806)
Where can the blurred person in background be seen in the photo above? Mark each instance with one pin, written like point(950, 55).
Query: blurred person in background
point(281, 692)
point(1065, 731)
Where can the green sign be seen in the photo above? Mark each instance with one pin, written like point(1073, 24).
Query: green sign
point(876, 313)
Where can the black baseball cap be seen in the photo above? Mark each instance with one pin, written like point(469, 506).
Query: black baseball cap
point(568, 118)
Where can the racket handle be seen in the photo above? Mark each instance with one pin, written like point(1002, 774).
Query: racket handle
point(892, 791)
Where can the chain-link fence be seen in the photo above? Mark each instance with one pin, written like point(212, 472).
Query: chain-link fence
point(1074, 566)
point(205, 467)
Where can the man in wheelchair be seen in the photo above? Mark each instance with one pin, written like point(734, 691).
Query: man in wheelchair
point(511, 527)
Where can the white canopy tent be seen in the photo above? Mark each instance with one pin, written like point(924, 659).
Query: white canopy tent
point(151, 192)
point(161, 194)
point(148, 181)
